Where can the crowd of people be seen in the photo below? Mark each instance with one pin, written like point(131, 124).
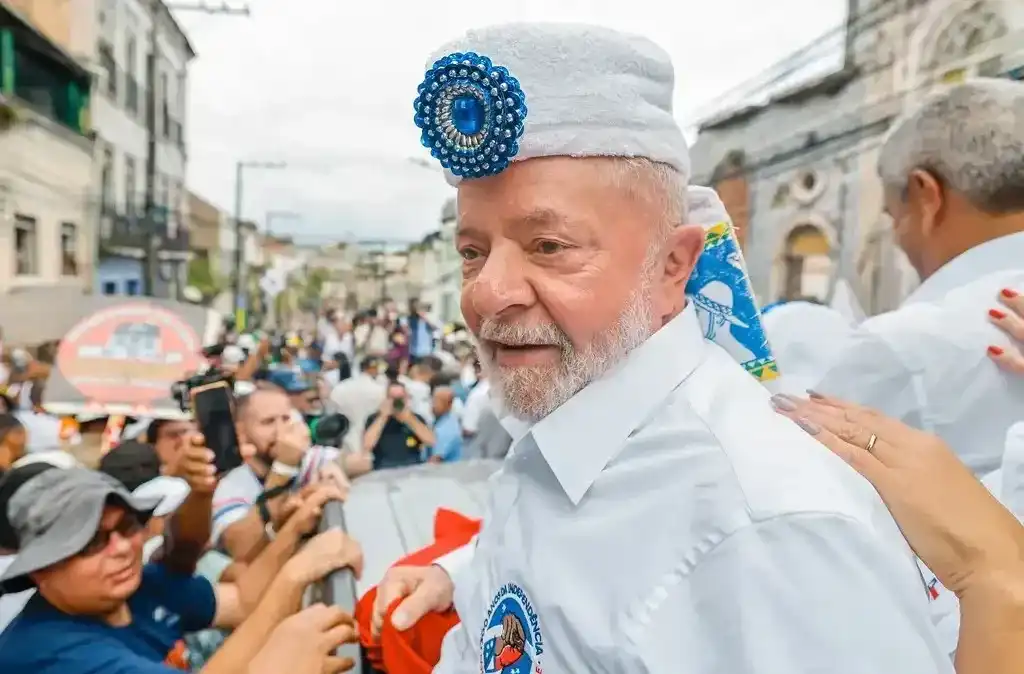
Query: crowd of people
point(662, 507)
point(416, 397)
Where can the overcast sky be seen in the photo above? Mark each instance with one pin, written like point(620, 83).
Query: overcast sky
point(327, 86)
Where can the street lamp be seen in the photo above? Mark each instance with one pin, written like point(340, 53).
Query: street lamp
point(240, 168)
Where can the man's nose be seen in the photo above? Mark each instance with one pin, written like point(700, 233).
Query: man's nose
point(120, 544)
point(501, 285)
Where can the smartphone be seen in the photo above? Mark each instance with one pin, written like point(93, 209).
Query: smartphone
point(213, 406)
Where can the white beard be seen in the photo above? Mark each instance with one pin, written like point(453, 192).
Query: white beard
point(532, 393)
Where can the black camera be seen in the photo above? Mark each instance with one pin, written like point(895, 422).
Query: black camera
point(181, 391)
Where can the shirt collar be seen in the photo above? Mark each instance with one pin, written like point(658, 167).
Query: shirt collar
point(1001, 254)
point(582, 436)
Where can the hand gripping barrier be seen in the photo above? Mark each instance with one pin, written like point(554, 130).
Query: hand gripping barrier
point(339, 588)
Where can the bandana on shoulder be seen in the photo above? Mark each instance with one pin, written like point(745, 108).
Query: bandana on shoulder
point(720, 290)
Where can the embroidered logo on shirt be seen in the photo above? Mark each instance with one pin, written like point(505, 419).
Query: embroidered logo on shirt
point(511, 641)
point(162, 616)
point(933, 589)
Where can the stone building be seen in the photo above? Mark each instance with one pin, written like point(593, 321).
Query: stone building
point(796, 166)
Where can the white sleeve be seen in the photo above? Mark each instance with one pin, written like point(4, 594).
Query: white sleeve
point(869, 371)
point(231, 502)
point(458, 653)
point(796, 594)
point(315, 458)
point(475, 404)
point(1012, 487)
point(457, 560)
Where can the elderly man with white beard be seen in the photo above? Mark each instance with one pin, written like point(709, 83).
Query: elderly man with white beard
point(655, 514)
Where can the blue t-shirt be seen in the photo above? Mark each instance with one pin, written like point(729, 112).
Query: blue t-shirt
point(167, 605)
point(447, 438)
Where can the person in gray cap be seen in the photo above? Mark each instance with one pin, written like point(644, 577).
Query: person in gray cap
point(655, 513)
point(98, 608)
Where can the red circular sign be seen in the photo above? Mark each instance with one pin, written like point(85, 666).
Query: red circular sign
point(128, 354)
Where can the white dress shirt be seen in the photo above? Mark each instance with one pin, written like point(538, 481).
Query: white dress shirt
point(357, 398)
point(926, 362)
point(667, 520)
point(421, 399)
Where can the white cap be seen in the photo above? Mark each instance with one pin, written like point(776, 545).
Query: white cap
point(232, 355)
point(246, 341)
point(171, 492)
point(523, 90)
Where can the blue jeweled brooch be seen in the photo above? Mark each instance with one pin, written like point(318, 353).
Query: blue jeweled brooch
point(471, 114)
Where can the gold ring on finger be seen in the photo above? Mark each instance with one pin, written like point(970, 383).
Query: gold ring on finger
point(871, 442)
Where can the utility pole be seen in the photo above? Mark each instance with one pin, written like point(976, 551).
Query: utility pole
point(239, 284)
point(150, 229)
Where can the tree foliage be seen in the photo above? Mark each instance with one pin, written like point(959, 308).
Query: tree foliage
point(204, 278)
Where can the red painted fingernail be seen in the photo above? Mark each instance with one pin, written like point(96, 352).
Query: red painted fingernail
point(995, 351)
point(1009, 293)
point(995, 313)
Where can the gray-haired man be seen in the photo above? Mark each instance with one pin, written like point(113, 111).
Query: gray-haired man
point(953, 173)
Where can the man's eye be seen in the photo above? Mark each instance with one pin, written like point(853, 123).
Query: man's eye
point(549, 247)
point(469, 254)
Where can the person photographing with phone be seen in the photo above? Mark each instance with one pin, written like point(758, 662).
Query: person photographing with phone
point(395, 435)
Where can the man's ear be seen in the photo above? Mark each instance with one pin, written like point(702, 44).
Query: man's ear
point(926, 196)
point(682, 249)
point(684, 246)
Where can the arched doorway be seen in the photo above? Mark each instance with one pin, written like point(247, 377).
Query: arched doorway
point(806, 263)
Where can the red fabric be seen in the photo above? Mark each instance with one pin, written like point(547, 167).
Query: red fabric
point(417, 649)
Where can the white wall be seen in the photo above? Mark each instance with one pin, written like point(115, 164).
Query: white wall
point(127, 22)
point(45, 174)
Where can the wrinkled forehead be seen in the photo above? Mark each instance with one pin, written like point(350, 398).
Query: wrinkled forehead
point(549, 192)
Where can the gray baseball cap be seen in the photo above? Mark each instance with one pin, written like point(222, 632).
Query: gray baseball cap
point(57, 513)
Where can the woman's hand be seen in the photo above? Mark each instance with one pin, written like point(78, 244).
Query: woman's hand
point(1009, 317)
point(957, 528)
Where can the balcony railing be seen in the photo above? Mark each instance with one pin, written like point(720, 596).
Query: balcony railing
point(127, 232)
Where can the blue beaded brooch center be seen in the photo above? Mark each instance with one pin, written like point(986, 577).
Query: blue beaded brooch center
point(471, 114)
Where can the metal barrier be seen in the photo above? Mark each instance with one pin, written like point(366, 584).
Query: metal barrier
point(339, 588)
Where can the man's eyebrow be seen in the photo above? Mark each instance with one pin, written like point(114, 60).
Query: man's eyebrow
point(539, 217)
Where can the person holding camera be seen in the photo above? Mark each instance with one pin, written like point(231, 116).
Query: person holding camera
point(395, 435)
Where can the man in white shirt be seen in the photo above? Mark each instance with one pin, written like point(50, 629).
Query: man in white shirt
point(954, 187)
point(476, 402)
point(655, 514)
point(357, 398)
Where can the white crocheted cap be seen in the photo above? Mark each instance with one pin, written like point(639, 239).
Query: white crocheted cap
point(559, 90)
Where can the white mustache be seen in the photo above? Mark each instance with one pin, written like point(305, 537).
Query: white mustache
point(511, 334)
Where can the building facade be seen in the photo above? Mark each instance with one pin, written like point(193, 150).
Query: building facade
point(118, 38)
point(442, 287)
point(46, 216)
point(796, 166)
